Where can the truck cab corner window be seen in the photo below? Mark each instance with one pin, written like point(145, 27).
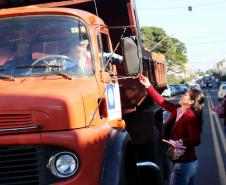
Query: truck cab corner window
point(104, 47)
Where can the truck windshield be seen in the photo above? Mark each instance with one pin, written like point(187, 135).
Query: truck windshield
point(43, 45)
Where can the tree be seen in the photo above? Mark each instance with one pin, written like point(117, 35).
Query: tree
point(155, 39)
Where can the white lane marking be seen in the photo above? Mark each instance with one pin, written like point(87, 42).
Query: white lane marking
point(219, 127)
point(220, 162)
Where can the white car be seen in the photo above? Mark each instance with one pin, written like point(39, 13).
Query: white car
point(169, 92)
point(222, 91)
point(222, 82)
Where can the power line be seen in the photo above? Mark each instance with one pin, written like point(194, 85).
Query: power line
point(203, 60)
point(181, 7)
point(207, 42)
point(205, 56)
point(192, 62)
point(210, 4)
point(208, 35)
point(158, 43)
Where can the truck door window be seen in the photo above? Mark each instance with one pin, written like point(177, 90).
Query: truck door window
point(42, 45)
point(104, 48)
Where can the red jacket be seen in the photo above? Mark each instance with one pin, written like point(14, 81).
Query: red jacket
point(187, 127)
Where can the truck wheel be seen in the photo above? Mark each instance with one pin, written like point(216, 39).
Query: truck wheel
point(128, 168)
point(119, 163)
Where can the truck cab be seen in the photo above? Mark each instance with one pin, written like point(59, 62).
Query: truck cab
point(71, 100)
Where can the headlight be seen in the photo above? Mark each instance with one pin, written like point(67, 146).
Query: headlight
point(63, 164)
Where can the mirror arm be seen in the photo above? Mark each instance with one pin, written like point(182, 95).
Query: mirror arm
point(113, 58)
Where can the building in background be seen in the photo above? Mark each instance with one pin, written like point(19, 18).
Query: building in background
point(176, 71)
point(221, 67)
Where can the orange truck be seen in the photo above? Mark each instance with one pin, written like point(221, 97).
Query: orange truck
point(72, 109)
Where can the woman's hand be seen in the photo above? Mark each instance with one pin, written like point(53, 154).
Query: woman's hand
point(175, 153)
point(144, 80)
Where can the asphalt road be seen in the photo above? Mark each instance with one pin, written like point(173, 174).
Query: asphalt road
point(212, 150)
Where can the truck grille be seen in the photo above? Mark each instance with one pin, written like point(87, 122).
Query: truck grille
point(15, 120)
point(26, 164)
point(19, 166)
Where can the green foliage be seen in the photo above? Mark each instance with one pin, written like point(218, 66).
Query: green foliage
point(172, 79)
point(190, 78)
point(210, 72)
point(201, 73)
point(151, 36)
point(155, 39)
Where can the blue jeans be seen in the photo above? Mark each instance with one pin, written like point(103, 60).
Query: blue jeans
point(184, 173)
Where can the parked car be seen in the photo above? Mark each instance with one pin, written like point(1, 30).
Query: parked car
point(169, 92)
point(196, 86)
point(165, 115)
point(179, 90)
point(184, 87)
point(203, 85)
point(222, 91)
point(209, 84)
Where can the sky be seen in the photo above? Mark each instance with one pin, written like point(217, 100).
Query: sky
point(202, 30)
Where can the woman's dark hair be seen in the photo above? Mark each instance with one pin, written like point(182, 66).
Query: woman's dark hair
point(198, 104)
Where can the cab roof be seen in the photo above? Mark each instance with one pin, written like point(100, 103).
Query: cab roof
point(33, 10)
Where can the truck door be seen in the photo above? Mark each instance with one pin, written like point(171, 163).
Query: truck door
point(104, 49)
point(108, 74)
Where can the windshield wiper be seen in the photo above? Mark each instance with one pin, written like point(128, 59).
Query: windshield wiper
point(62, 74)
point(8, 77)
point(50, 68)
point(39, 66)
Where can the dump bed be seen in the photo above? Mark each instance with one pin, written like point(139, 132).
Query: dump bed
point(159, 69)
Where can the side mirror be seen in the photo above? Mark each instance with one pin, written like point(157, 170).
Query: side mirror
point(131, 56)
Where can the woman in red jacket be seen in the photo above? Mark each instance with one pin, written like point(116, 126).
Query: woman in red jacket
point(184, 128)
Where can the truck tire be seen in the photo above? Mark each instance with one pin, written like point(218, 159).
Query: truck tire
point(119, 161)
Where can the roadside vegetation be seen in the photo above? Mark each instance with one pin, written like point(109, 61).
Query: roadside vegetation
point(156, 40)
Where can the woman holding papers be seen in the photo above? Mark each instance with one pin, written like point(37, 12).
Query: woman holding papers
point(182, 131)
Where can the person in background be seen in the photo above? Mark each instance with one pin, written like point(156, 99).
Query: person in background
point(21, 56)
point(81, 54)
point(184, 128)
